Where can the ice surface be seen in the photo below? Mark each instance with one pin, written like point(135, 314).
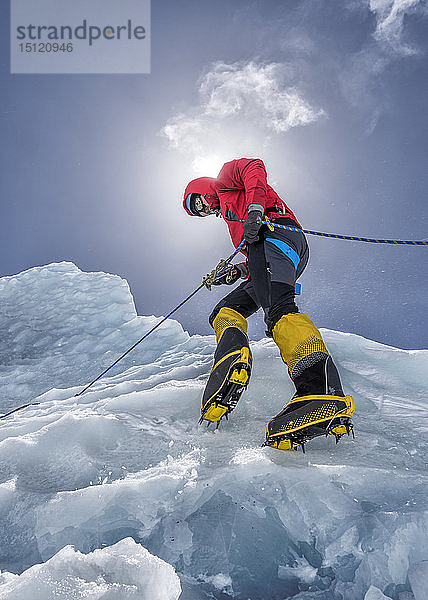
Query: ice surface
point(59, 325)
point(374, 593)
point(123, 571)
point(418, 577)
point(127, 459)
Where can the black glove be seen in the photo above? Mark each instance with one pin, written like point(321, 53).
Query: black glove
point(231, 274)
point(251, 226)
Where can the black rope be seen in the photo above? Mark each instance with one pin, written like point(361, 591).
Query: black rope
point(141, 339)
point(19, 408)
point(227, 260)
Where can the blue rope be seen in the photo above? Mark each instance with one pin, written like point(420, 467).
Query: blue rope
point(347, 237)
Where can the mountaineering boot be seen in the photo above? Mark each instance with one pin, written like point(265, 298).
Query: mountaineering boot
point(306, 417)
point(232, 366)
point(319, 406)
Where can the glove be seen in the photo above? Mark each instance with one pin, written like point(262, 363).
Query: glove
point(231, 274)
point(251, 226)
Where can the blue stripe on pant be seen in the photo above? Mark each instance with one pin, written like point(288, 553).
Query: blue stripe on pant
point(273, 272)
point(287, 250)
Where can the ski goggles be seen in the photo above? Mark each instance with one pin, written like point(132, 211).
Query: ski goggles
point(197, 205)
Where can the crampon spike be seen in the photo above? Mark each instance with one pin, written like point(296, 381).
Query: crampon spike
point(218, 423)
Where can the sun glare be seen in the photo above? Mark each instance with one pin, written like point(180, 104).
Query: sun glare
point(208, 165)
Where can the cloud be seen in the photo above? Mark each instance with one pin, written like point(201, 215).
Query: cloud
point(255, 91)
point(390, 16)
point(361, 79)
point(240, 101)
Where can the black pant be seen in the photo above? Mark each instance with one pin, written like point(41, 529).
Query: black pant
point(273, 275)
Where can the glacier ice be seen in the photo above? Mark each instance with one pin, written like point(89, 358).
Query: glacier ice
point(58, 326)
point(374, 593)
point(80, 475)
point(418, 577)
point(122, 571)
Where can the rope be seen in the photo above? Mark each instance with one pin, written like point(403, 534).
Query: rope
point(140, 340)
point(210, 278)
point(347, 237)
point(19, 408)
point(207, 282)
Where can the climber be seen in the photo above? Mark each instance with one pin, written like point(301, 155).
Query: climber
point(275, 260)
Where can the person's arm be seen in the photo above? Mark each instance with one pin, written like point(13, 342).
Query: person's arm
point(254, 178)
point(232, 273)
point(252, 172)
point(248, 174)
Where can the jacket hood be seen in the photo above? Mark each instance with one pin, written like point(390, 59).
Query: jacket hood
point(202, 185)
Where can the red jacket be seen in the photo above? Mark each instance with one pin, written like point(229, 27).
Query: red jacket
point(240, 183)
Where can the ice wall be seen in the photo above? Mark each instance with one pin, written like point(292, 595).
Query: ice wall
point(127, 459)
point(123, 571)
point(59, 325)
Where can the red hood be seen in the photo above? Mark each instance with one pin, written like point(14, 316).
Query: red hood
point(202, 185)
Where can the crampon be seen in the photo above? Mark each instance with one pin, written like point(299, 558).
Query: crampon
point(307, 417)
point(225, 399)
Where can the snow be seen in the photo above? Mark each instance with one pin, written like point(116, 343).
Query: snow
point(107, 493)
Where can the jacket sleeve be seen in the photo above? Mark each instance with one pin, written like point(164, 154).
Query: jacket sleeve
point(247, 174)
point(250, 174)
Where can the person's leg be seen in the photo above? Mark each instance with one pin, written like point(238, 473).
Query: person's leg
point(309, 363)
point(302, 348)
point(232, 359)
point(240, 299)
point(319, 398)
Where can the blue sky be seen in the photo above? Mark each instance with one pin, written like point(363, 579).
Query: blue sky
point(331, 94)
